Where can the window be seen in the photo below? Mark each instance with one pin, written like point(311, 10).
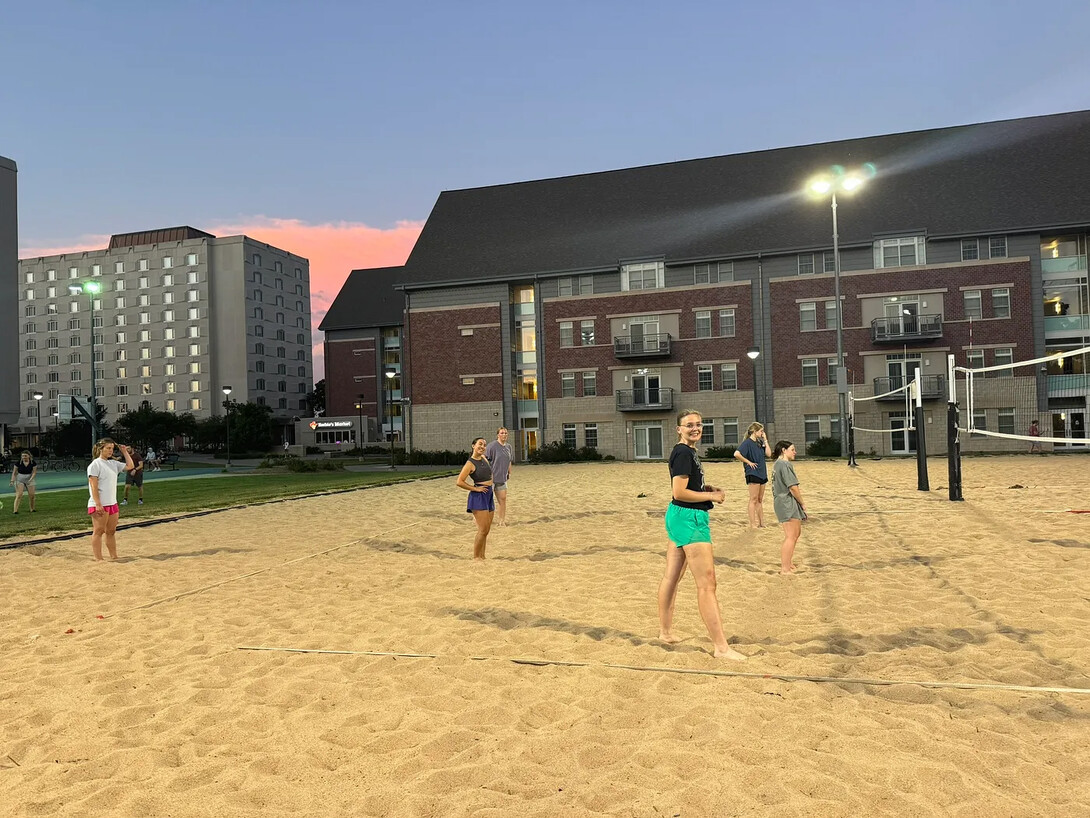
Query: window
point(144, 301)
point(809, 371)
point(830, 315)
point(974, 358)
point(806, 264)
point(119, 285)
point(280, 352)
point(119, 266)
point(168, 316)
point(647, 276)
point(708, 437)
point(997, 247)
point(29, 278)
point(808, 316)
point(704, 324)
point(30, 327)
point(811, 427)
point(168, 262)
point(73, 307)
point(195, 349)
point(569, 435)
point(702, 274)
point(171, 387)
point(281, 369)
point(1004, 356)
point(726, 323)
point(30, 344)
point(567, 384)
point(191, 259)
point(53, 343)
point(970, 249)
point(168, 369)
point(259, 349)
point(74, 376)
point(73, 323)
point(193, 313)
point(119, 320)
point(192, 295)
point(50, 292)
point(590, 435)
point(30, 294)
point(168, 352)
point(145, 318)
point(298, 272)
point(54, 377)
point(259, 313)
point(830, 365)
point(829, 261)
point(729, 373)
point(259, 331)
point(256, 259)
point(704, 378)
point(980, 419)
point(900, 252)
point(193, 332)
point(194, 403)
point(1006, 420)
point(567, 334)
point(564, 287)
point(145, 372)
point(54, 360)
point(142, 265)
point(972, 303)
point(145, 335)
point(590, 384)
point(31, 378)
point(730, 430)
point(278, 267)
point(119, 302)
point(30, 310)
point(50, 275)
point(122, 389)
point(74, 341)
point(73, 272)
point(834, 426)
point(259, 366)
point(120, 355)
point(281, 386)
point(280, 318)
point(192, 277)
point(586, 333)
point(170, 405)
point(300, 338)
point(194, 386)
point(726, 271)
point(195, 368)
point(168, 298)
point(1001, 302)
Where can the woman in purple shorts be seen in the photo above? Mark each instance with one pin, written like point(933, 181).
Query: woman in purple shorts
point(476, 478)
point(102, 504)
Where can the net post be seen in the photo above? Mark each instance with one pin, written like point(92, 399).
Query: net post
point(922, 483)
point(849, 432)
point(953, 443)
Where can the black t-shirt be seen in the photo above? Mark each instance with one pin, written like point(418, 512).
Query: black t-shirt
point(685, 463)
point(26, 468)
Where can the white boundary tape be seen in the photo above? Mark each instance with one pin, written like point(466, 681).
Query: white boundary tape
point(783, 677)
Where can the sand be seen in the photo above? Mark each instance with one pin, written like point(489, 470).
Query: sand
point(123, 691)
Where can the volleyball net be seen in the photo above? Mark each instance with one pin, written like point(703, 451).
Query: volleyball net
point(897, 413)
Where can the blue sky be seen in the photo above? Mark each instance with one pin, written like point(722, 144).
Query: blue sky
point(351, 117)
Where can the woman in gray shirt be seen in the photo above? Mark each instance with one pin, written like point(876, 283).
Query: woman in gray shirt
point(787, 500)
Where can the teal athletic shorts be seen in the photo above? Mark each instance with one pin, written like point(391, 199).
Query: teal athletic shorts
point(687, 525)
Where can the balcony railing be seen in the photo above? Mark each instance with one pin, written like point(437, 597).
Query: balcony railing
point(905, 328)
point(1067, 323)
point(645, 400)
point(933, 387)
point(656, 345)
point(1066, 264)
point(1075, 385)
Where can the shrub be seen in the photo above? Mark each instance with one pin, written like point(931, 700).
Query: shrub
point(560, 452)
point(719, 452)
point(423, 457)
point(313, 450)
point(824, 447)
point(297, 464)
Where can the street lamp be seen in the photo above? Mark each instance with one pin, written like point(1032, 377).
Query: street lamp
point(56, 420)
point(838, 179)
point(38, 405)
point(92, 289)
point(227, 405)
point(359, 408)
point(390, 410)
point(753, 353)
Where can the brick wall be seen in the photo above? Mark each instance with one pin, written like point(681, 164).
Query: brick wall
point(345, 361)
point(439, 355)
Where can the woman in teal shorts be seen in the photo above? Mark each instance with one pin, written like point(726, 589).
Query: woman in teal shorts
point(690, 537)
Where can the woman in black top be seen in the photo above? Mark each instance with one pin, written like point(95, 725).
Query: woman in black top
point(476, 478)
point(22, 477)
point(690, 537)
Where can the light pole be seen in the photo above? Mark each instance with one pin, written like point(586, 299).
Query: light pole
point(92, 289)
point(56, 420)
point(359, 408)
point(390, 410)
point(227, 405)
point(753, 353)
point(839, 179)
point(38, 405)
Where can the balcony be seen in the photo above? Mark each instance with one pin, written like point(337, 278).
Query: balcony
point(1064, 264)
point(645, 400)
point(1067, 324)
point(933, 386)
point(656, 345)
point(905, 328)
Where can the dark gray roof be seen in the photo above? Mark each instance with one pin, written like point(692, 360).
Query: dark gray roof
point(157, 236)
point(995, 177)
point(367, 299)
point(8, 164)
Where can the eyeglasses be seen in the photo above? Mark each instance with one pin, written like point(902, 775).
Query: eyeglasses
point(692, 425)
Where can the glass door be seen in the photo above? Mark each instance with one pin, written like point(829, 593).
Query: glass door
point(902, 440)
point(647, 441)
point(645, 389)
point(1070, 423)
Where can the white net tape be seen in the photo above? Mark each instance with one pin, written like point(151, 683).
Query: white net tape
point(906, 390)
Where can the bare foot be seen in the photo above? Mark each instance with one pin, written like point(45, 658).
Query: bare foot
point(729, 653)
point(788, 573)
point(669, 638)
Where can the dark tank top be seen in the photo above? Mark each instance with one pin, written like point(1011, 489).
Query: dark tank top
point(482, 471)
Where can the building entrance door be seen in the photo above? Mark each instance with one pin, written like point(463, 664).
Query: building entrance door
point(647, 439)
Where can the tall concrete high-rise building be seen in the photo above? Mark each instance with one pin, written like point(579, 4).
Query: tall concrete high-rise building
point(177, 315)
point(9, 287)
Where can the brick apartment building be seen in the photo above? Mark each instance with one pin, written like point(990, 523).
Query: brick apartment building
point(592, 308)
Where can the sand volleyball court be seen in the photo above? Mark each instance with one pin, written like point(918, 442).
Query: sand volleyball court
point(533, 685)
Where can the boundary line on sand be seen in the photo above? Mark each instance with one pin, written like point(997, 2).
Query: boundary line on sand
point(737, 674)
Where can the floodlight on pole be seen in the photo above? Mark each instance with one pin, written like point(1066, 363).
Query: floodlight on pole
point(90, 288)
point(227, 404)
point(829, 183)
point(38, 405)
point(390, 375)
point(753, 353)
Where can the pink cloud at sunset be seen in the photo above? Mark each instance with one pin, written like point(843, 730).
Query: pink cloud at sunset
point(333, 248)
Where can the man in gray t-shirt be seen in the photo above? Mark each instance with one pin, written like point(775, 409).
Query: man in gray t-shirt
point(498, 455)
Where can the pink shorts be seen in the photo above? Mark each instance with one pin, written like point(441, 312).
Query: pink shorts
point(114, 509)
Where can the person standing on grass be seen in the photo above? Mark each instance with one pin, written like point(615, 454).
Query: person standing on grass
point(690, 537)
point(752, 453)
point(102, 504)
point(787, 500)
point(135, 477)
point(476, 478)
point(498, 454)
point(22, 477)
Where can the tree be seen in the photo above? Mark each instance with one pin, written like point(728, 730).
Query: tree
point(252, 427)
point(146, 427)
point(316, 399)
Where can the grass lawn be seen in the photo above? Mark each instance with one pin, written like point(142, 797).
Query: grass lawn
point(61, 511)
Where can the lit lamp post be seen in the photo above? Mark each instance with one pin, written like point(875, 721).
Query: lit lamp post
point(837, 179)
point(753, 353)
point(92, 289)
point(390, 411)
point(227, 405)
point(38, 405)
point(359, 408)
point(56, 420)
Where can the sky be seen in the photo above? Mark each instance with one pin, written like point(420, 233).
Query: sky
point(330, 128)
